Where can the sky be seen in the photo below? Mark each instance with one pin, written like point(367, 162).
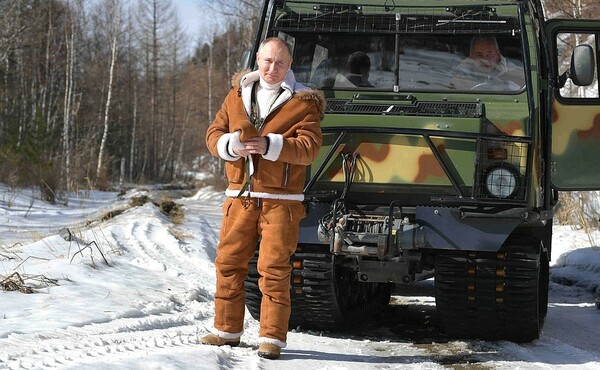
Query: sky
point(134, 290)
point(190, 15)
point(196, 20)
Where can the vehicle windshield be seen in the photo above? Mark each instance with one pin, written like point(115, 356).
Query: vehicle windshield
point(344, 47)
point(423, 63)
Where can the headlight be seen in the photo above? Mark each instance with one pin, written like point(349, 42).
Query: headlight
point(501, 182)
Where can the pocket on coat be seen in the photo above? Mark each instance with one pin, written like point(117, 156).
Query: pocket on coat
point(235, 171)
point(272, 174)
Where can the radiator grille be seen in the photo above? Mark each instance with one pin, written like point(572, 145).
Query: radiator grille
point(424, 108)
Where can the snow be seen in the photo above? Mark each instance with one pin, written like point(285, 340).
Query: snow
point(135, 291)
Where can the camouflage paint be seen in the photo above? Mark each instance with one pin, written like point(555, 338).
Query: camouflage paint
point(575, 146)
point(404, 160)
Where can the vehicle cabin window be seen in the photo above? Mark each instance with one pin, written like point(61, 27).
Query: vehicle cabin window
point(423, 62)
point(566, 42)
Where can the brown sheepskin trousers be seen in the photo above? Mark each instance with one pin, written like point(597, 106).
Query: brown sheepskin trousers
point(276, 223)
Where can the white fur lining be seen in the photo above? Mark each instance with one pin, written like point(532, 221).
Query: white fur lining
point(226, 144)
point(235, 143)
point(254, 194)
point(275, 147)
point(276, 342)
point(226, 335)
point(289, 85)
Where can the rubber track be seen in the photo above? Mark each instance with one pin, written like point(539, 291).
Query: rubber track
point(315, 302)
point(492, 296)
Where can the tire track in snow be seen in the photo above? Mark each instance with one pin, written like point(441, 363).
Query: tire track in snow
point(172, 322)
point(119, 339)
point(144, 244)
point(116, 342)
point(153, 247)
point(171, 325)
point(70, 347)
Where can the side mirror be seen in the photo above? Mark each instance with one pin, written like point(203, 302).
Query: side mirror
point(582, 65)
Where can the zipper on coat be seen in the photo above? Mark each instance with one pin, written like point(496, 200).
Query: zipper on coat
point(286, 175)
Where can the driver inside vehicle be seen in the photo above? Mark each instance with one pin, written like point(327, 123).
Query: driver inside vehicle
point(487, 69)
point(357, 71)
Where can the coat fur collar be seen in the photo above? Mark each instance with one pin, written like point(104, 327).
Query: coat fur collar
point(300, 91)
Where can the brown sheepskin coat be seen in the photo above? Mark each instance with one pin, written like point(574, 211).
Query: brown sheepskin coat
point(292, 127)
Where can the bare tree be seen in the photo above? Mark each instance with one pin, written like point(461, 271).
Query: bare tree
point(577, 9)
point(154, 16)
point(8, 38)
point(114, 13)
point(238, 9)
point(82, 91)
point(68, 101)
point(170, 128)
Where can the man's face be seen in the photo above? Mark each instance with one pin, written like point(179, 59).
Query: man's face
point(486, 55)
point(273, 62)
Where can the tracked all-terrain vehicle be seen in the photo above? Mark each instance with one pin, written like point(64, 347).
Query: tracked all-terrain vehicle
point(420, 176)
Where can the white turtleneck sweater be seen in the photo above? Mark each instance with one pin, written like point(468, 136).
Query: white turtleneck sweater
point(266, 94)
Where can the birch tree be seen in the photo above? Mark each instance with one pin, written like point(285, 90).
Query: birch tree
point(82, 91)
point(68, 101)
point(114, 14)
point(575, 9)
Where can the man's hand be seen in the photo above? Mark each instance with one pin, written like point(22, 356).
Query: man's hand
point(241, 152)
point(254, 145)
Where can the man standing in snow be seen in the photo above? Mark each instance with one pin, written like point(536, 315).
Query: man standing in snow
point(267, 131)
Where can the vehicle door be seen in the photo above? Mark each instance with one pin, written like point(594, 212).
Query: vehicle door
point(575, 153)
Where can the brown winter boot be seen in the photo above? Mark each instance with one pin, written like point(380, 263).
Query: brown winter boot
point(269, 350)
point(215, 340)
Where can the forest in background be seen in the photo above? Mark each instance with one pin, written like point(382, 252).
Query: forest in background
point(95, 94)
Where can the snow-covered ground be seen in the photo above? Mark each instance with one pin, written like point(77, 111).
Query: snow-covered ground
point(133, 290)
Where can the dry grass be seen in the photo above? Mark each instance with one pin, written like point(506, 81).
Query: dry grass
point(167, 206)
point(173, 210)
point(112, 214)
point(582, 210)
point(16, 283)
point(138, 201)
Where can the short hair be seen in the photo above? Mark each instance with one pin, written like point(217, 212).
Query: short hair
point(486, 39)
point(278, 40)
point(359, 61)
